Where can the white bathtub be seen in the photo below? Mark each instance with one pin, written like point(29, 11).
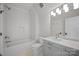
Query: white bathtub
point(21, 49)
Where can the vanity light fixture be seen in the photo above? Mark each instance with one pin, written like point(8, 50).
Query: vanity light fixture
point(75, 5)
point(58, 11)
point(65, 8)
point(52, 13)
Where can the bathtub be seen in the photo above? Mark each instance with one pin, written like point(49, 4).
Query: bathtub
point(19, 49)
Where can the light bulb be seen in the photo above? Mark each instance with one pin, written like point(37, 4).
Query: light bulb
point(75, 5)
point(58, 11)
point(65, 8)
point(52, 13)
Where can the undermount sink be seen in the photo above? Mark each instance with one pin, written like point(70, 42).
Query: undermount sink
point(55, 38)
point(59, 38)
point(51, 37)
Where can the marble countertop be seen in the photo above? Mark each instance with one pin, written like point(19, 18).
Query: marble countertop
point(64, 42)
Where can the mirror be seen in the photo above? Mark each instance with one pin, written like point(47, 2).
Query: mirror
point(66, 23)
point(72, 28)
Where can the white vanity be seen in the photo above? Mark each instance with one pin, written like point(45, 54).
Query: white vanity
point(60, 47)
point(65, 25)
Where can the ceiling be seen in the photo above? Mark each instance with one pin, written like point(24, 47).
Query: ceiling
point(52, 5)
point(27, 6)
point(48, 5)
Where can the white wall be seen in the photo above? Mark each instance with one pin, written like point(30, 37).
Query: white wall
point(43, 21)
point(34, 23)
point(44, 17)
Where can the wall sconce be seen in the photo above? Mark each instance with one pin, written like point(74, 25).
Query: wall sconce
point(75, 5)
point(58, 11)
point(52, 13)
point(65, 8)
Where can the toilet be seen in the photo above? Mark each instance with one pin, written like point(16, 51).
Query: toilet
point(37, 49)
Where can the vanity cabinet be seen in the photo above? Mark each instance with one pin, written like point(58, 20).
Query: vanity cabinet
point(54, 49)
point(71, 51)
point(51, 49)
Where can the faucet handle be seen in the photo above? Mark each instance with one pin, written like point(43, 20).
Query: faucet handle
point(65, 33)
point(60, 33)
point(0, 34)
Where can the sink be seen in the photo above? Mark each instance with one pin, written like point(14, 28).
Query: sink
point(54, 38)
point(59, 38)
point(51, 37)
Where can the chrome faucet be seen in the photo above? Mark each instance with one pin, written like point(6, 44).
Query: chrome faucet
point(57, 35)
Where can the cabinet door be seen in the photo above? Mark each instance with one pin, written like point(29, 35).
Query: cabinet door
point(52, 49)
point(47, 50)
point(57, 49)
